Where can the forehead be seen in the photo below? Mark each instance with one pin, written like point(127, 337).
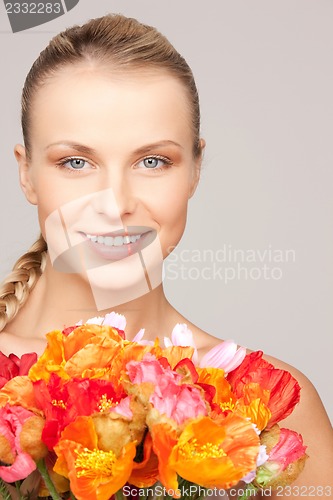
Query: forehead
point(96, 104)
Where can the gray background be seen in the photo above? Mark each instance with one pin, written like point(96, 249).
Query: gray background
point(265, 77)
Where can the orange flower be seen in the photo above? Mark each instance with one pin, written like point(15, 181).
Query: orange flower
point(52, 360)
point(208, 453)
point(175, 354)
point(94, 473)
point(19, 391)
point(145, 473)
point(253, 405)
point(88, 351)
point(215, 377)
point(164, 440)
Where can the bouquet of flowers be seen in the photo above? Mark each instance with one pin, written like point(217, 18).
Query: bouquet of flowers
point(98, 416)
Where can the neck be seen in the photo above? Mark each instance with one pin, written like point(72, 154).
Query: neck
point(60, 300)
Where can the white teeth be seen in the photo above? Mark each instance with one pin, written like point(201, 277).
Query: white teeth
point(118, 241)
point(108, 241)
point(111, 241)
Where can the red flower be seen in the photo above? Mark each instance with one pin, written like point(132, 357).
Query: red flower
point(69, 330)
point(284, 388)
point(63, 401)
point(11, 366)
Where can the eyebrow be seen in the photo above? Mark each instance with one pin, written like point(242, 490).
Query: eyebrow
point(90, 151)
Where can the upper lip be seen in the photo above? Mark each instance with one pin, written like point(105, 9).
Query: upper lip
point(130, 231)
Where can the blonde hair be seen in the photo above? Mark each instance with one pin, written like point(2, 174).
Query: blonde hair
point(16, 287)
point(126, 45)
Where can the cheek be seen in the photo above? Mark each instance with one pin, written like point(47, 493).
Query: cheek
point(170, 214)
point(51, 195)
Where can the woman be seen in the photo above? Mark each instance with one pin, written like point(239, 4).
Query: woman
point(112, 154)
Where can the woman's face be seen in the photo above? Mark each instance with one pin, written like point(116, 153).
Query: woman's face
point(111, 166)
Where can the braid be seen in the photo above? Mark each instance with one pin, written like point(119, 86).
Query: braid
point(15, 289)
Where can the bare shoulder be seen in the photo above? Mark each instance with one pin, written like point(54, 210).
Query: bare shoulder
point(309, 396)
point(310, 419)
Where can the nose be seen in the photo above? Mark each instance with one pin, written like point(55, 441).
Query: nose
point(117, 199)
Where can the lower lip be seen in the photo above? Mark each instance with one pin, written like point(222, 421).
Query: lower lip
point(115, 253)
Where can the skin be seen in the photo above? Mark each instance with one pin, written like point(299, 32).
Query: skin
point(125, 119)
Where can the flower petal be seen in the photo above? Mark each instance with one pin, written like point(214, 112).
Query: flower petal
point(224, 355)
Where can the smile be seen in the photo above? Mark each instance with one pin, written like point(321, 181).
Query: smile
point(113, 241)
point(119, 244)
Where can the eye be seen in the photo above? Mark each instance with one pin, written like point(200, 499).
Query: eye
point(74, 164)
point(154, 163)
point(77, 163)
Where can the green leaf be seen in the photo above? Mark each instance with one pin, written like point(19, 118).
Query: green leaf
point(249, 491)
point(5, 495)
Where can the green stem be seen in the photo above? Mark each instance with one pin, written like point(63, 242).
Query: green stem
point(119, 494)
point(47, 480)
point(17, 486)
point(5, 495)
point(249, 491)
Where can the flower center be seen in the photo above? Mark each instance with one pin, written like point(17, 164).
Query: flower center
point(105, 404)
point(59, 403)
point(95, 463)
point(192, 449)
point(227, 405)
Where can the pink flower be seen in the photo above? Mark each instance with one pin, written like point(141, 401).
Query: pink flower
point(20, 463)
point(11, 366)
point(224, 355)
point(178, 402)
point(286, 457)
point(149, 369)
point(170, 397)
point(288, 449)
point(181, 335)
point(123, 408)
point(112, 319)
point(140, 340)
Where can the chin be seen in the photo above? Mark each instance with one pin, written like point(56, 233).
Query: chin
point(122, 281)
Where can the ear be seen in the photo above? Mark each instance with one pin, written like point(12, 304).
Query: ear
point(197, 169)
point(25, 174)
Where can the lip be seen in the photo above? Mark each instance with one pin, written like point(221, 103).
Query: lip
point(114, 253)
point(129, 231)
